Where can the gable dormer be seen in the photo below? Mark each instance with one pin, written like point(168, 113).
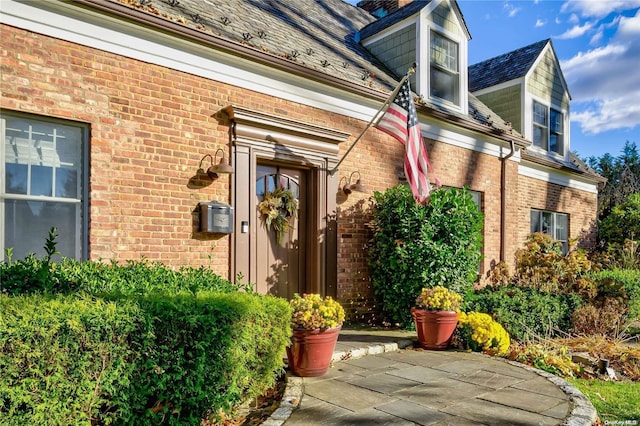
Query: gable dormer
point(527, 88)
point(433, 35)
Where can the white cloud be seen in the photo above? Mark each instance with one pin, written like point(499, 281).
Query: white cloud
point(598, 8)
point(540, 23)
point(511, 9)
point(596, 37)
point(604, 84)
point(573, 19)
point(629, 26)
point(576, 31)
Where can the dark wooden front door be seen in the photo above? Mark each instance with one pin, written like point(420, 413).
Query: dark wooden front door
point(281, 266)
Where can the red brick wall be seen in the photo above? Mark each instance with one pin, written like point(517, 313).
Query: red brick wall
point(454, 166)
point(580, 206)
point(150, 126)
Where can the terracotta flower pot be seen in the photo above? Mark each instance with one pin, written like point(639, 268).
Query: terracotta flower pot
point(310, 352)
point(435, 328)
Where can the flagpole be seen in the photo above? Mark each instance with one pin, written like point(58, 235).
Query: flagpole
point(376, 117)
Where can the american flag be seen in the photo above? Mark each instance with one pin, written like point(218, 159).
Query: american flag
point(400, 120)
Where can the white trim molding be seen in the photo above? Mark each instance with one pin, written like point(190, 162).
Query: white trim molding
point(551, 176)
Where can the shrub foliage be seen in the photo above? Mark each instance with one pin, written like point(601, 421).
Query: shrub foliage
point(527, 312)
point(416, 246)
point(138, 344)
point(148, 360)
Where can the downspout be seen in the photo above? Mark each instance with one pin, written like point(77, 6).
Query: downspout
point(503, 201)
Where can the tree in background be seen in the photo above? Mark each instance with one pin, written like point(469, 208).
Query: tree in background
point(619, 205)
point(623, 177)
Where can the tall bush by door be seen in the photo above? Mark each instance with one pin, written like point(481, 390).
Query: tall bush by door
point(415, 246)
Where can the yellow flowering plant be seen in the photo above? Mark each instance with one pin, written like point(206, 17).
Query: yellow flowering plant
point(311, 311)
point(439, 298)
point(480, 333)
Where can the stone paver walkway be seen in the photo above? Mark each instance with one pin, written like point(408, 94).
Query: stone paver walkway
point(374, 382)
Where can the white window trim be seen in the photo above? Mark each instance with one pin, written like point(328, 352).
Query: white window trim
point(555, 228)
point(82, 238)
point(529, 123)
point(424, 29)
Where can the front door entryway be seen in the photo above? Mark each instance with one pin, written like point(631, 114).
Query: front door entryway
point(280, 264)
point(269, 151)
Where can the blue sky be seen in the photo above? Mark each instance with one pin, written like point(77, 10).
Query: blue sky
point(598, 45)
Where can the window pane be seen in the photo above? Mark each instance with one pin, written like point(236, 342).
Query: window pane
point(444, 85)
point(562, 226)
point(41, 181)
point(556, 121)
point(27, 225)
point(67, 183)
point(444, 52)
point(547, 223)
point(16, 178)
point(540, 136)
point(535, 221)
point(540, 114)
point(44, 149)
point(555, 143)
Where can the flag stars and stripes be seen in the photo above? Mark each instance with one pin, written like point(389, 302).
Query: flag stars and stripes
point(400, 120)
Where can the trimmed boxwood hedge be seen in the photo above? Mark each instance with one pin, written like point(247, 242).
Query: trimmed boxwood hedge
point(134, 344)
point(148, 360)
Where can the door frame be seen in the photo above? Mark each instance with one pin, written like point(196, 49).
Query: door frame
point(255, 137)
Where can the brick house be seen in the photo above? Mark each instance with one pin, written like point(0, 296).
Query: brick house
point(114, 110)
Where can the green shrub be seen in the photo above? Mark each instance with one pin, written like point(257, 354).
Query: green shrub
point(623, 223)
point(526, 312)
point(32, 275)
point(67, 360)
point(74, 359)
point(416, 246)
point(623, 283)
point(209, 353)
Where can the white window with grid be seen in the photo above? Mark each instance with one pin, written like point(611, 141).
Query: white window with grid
point(548, 128)
point(42, 185)
point(444, 81)
point(554, 224)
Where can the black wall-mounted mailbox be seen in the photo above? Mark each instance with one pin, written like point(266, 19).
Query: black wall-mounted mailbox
point(216, 217)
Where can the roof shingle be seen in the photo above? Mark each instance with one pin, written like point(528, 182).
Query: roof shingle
point(506, 67)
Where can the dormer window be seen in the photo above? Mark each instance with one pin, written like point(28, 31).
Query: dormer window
point(556, 142)
point(444, 69)
point(548, 128)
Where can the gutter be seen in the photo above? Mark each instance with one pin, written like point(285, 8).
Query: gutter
point(503, 201)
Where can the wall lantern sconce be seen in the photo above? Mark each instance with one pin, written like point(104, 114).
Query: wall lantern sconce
point(223, 167)
point(348, 187)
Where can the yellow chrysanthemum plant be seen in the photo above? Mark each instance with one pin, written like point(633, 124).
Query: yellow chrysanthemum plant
point(312, 311)
point(480, 333)
point(439, 298)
